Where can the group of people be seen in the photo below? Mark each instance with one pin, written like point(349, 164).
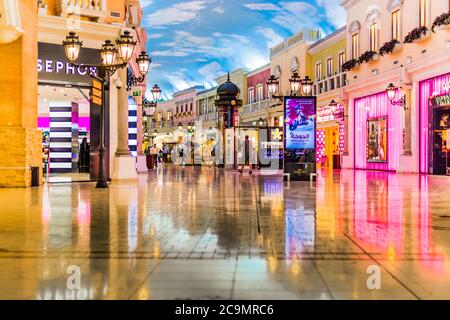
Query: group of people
point(159, 155)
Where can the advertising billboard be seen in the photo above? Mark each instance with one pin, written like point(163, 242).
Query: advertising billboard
point(300, 124)
point(300, 138)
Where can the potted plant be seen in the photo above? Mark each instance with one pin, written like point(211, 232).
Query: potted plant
point(390, 47)
point(350, 64)
point(441, 22)
point(368, 56)
point(416, 34)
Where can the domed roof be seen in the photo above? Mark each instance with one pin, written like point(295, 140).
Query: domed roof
point(228, 89)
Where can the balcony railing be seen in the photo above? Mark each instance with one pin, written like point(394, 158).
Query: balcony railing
point(207, 117)
point(93, 9)
point(161, 124)
point(255, 107)
point(330, 83)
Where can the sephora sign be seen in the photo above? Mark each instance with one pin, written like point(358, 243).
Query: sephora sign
point(53, 67)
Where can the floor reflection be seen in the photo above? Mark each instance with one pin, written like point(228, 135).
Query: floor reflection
point(205, 233)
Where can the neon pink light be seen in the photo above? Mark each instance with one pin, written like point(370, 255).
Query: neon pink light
point(320, 151)
point(375, 106)
point(436, 86)
point(43, 122)
point(84, 122)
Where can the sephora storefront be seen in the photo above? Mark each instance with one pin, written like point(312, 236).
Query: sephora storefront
point(66, 115)
point(435, 125)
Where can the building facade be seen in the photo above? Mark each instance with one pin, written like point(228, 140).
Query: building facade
point(288, 57)
point(327, 57)
point(257, 96)
point(207, 115)
point(393, 42)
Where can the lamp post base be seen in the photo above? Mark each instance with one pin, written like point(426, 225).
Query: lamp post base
point(101, 185)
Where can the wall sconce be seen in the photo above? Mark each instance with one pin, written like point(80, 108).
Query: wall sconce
point(391, 92)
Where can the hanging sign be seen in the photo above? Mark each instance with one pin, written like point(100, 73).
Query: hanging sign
point(97, 92)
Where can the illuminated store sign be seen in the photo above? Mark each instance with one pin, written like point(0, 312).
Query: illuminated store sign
point(53, 67)
point(441, 101)
point(328, 113)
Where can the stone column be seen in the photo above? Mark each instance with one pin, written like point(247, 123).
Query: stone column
point(124, 164)
point(122, 116)
point(346, 128)
point(20, 141)
point(141, 164)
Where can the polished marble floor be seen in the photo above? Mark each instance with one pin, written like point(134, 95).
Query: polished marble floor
point(205, 233)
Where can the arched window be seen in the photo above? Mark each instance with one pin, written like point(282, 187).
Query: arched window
point(373, 21)
point(423, 13)
point(354, 30)
point(394, 8)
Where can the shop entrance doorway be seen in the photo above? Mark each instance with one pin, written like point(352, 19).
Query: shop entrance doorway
point(64, 120)
point(441, 141)
point(328, 147)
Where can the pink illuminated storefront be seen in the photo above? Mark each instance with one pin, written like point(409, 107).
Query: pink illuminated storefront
point(435, 125)
point(330, 136)
point(378, 137)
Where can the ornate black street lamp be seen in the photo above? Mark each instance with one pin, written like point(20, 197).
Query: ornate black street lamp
point(299, 87)
point(156, 93)
point(296, 83)
point(391, 92)
point(307, 86)
point(113, 57)
point(261, 122)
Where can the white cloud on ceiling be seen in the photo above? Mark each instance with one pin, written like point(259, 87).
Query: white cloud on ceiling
point(175, 14)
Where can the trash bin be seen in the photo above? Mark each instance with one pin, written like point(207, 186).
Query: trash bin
point(35, 176)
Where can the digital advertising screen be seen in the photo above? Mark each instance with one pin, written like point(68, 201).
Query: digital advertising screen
point(300, 124)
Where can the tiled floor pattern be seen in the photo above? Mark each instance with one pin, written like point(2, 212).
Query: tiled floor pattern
point(200, 233)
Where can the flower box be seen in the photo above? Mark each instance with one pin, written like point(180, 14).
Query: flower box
point(417, 35)
point(442, 22)
point(368, 57)
point(426, 36)
point(351, 65)
point(390, 47)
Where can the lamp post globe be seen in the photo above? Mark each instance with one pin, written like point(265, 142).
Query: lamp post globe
point(333, 104)
point(156, 92)
point(108, 53)
point(296, 82)
point(391, 91)
point(72, 46)
point(125, 45)
point(273, 84)
point(143, 62)
point(261, 122)
point(307, 85)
